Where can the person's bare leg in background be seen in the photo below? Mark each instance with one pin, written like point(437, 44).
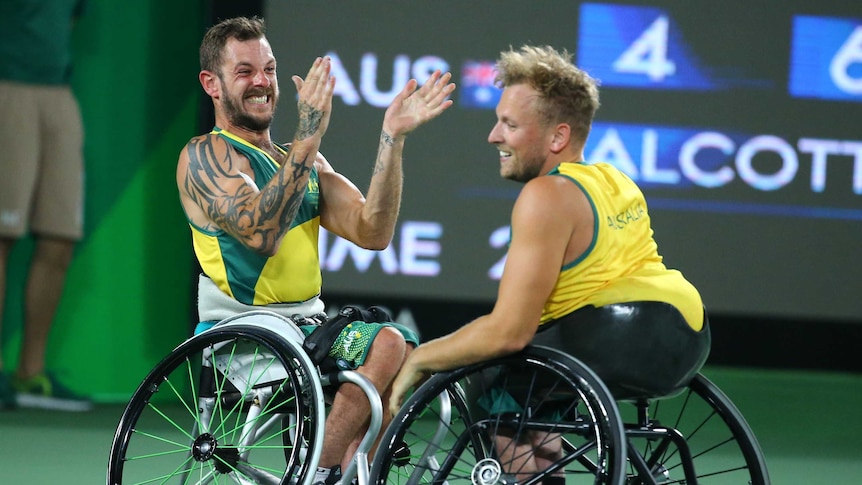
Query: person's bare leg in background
point(51, 259)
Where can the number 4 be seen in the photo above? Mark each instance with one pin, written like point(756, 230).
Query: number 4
point(648, 53)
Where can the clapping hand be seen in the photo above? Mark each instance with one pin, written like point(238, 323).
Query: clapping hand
point(315, 99)
point(412, 107)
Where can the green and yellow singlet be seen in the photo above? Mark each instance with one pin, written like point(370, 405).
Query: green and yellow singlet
point(292, 275)
point(622, 263)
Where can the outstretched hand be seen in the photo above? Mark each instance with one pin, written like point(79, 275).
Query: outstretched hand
point(412, 107)
point(315, 99)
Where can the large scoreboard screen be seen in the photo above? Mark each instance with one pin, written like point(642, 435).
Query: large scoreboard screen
point(741, 121)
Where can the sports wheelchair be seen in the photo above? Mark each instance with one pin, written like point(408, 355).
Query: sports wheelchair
point(240, 403)
point(243, 403)
point(480, 424)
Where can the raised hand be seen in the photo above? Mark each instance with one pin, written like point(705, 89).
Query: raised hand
point(412, 107)
point(315, 99)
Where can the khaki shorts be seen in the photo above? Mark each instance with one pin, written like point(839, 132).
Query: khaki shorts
point(41, 159)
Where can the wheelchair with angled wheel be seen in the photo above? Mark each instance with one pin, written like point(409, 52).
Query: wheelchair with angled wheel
point(240, 403)
point(541, 416)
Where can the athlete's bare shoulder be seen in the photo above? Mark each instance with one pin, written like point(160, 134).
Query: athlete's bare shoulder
point(211, 174)
point(208, 150)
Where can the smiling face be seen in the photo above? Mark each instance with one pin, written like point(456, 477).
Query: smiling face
point(520, 135)
point(248, 84)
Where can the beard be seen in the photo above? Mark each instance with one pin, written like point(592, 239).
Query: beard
point(525, 169)
point(239, 117)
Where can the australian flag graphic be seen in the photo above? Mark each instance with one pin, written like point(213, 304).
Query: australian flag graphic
point(477, 85)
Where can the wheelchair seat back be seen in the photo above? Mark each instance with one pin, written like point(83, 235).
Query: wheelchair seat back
point(244, 368)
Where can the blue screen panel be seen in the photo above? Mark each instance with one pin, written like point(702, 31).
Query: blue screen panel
point(637, 47)
point(826, 58)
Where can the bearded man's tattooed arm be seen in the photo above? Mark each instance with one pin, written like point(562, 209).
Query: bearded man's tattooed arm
point(232, 202)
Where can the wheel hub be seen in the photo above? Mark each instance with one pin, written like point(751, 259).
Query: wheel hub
point(204, 447)
point(486, 472)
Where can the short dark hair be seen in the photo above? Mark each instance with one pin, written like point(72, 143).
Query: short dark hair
point(239, 28)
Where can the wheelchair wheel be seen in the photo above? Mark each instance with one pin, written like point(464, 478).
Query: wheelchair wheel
point(472, 425)
point(231, 405)
point(698, 436)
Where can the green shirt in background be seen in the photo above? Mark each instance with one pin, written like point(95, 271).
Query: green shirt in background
point(35, 40)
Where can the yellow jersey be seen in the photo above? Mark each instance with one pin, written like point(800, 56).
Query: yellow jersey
point(291, 275)
point(622, 263)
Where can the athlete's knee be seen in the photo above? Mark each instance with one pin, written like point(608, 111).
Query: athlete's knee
point(390, 341)
point(387, 350)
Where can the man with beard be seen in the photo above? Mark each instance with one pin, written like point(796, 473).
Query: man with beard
point(255, 207)
point(583, 273)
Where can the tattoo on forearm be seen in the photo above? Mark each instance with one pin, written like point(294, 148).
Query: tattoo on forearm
point(263, 223)
point(279, 205)
point(309, 121)
point(299, 168)
point(378, 166)
point(386, 140)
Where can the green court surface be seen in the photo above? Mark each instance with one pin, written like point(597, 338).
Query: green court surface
point(809, 425)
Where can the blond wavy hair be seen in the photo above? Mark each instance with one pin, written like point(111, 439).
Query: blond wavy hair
point(567, 93)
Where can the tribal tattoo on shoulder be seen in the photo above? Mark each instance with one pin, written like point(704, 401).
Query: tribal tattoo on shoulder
point(261, 225)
